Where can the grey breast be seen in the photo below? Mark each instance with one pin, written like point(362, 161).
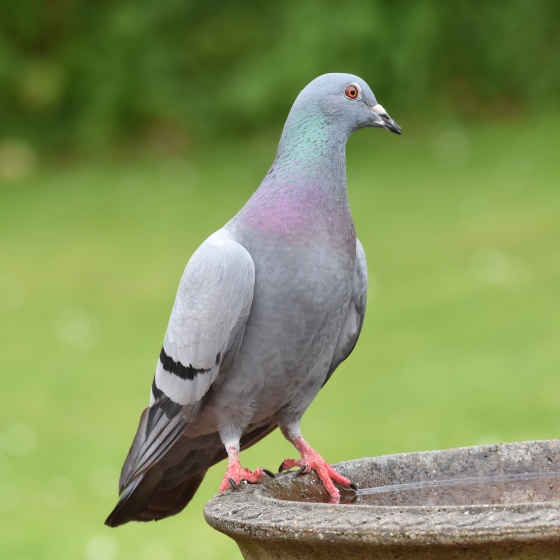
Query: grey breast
point(301, 296)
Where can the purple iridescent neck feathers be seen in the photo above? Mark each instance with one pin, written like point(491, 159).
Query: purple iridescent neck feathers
point(304, 193)
point(306, 184)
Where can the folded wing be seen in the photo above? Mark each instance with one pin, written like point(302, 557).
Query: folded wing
point(354, 319)
point(203, 336)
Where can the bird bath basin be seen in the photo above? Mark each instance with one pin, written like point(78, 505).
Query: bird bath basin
point(486, 502)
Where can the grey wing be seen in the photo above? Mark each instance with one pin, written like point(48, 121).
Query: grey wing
point(204, 333)
point(354, 319)
point(212, 305)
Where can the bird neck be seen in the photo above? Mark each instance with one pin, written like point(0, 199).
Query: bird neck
point(304, 192)
point(310, 162)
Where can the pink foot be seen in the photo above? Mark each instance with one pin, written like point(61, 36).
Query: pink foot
point(235, 473)
point(311, 460)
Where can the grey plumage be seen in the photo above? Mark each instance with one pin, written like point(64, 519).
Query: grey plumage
point(267, 308)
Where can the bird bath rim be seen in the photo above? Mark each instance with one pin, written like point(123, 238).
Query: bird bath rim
point(255, 513)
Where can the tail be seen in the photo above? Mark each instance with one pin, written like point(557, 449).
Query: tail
point(165, 467)
point(163, 470)
point(142, 500)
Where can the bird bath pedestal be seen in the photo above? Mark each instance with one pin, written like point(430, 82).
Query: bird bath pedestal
point(436, 510)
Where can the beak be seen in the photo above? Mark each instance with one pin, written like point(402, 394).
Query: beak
point(383, 120)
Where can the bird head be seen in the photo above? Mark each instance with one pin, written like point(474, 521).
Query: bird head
point(347, 102)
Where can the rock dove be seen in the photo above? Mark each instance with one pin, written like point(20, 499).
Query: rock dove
point(267, 308)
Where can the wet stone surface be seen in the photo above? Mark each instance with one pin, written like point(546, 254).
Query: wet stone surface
point(496, 489)
point(433, 509)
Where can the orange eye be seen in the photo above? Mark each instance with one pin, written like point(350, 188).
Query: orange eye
point(351, 92)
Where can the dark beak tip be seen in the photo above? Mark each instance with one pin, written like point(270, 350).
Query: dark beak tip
point(387, 122)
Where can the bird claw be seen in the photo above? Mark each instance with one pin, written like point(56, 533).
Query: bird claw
point(269, 473)
point(236, 474)
point(288, 464)
point(311, 460)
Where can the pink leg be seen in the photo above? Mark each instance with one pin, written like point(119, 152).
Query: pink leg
point(311, 460)
point(235, 473)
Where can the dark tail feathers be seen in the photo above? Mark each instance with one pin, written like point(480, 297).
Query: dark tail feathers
point(142, 501)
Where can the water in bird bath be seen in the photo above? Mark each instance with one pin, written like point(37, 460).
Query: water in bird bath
point(472, 503)
point(506, 488)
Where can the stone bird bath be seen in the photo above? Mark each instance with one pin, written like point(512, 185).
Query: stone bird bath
point(435, 510)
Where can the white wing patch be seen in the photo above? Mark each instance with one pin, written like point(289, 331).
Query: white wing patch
point(212, 304)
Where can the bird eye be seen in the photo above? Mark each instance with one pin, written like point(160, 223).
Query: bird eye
point(351, 92)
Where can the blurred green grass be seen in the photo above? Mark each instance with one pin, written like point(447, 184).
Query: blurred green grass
point(460, 345)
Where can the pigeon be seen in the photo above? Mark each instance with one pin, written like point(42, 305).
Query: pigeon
point(267, 308)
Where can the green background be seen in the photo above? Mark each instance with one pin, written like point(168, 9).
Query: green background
point(155, 123)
